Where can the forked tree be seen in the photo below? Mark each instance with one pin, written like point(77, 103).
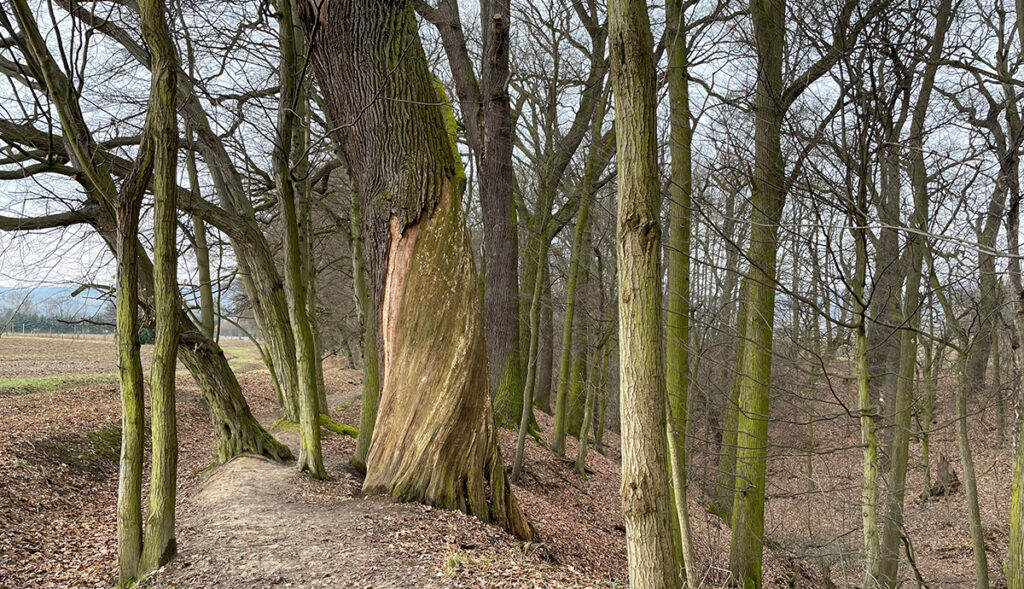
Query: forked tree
point(434, 440)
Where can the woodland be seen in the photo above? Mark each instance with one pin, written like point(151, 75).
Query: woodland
point(527, 293)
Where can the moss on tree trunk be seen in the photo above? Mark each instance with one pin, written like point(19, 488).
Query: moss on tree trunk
point(645, 500)
point(434, 439)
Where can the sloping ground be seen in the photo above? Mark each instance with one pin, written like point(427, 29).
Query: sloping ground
point(252, 523)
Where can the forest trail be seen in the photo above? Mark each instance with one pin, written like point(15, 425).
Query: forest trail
point(257, 523)
point(251, 526)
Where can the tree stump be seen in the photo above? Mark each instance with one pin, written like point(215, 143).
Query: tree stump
point(946, 481)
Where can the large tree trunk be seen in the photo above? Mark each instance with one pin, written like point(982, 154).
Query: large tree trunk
point(434, 440)
point(644, 488)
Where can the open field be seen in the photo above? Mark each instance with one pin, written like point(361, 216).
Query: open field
point(30, 363)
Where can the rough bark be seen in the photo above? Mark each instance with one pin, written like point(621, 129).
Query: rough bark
point(644, 487)
point(371, 369)
point(162, 127)
point(434, 439)
point(129, 367)
point(768, 200)
point(310, 454)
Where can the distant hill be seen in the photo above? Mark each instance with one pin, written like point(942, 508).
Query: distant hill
point(42, 299)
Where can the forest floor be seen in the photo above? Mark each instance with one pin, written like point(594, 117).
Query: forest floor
point(253, 523)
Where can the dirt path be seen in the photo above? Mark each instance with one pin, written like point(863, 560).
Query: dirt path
point(257, 523)
point(252, 526)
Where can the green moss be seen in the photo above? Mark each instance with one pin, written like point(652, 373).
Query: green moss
point(24, 386)
point(285, 424)
point(338, 428)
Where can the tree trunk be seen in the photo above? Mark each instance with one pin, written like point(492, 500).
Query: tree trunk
point(546, 346)
point(526, 405)
point(565, 364)
point(162, 121)
point(768, 200)
point(970, 480)
point(865, 403)
point(892, 530)
point(434, 439)
point(501, 256)
point(201, 246)
point(236, 430)
point(677, 336)
point(644, 487)
point(725, 485)
point(310, 456)
point(371, 371)
point(963, 443)
point(129, 365)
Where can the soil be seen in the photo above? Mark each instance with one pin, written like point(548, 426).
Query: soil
point(254, 523)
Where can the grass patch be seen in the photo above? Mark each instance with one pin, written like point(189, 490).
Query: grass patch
point(242, 356)
point(39, 384)
point(453, 561)
point(95, 453)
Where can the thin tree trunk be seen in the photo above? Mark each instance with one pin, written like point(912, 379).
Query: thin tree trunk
point(546, 347)
point(310, 456)
point(593, 380)
point(768, 199)
point(201, 246)
point(677, 336)
point(644, 487)
point(162, 121)
point(865, 403)
point(565, 364)
point(963, 443)
point(892, 530)
point(726, 477)
point(371, 371)
point(531, 369)
point(129, 365)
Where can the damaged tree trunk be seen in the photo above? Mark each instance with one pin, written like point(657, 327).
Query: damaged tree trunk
point(434, 439)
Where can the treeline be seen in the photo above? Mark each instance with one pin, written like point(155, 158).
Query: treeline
point(12, 321)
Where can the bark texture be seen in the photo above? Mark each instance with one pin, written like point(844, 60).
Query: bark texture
point(645, 500)
point(434, 439)
point(162, 125)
